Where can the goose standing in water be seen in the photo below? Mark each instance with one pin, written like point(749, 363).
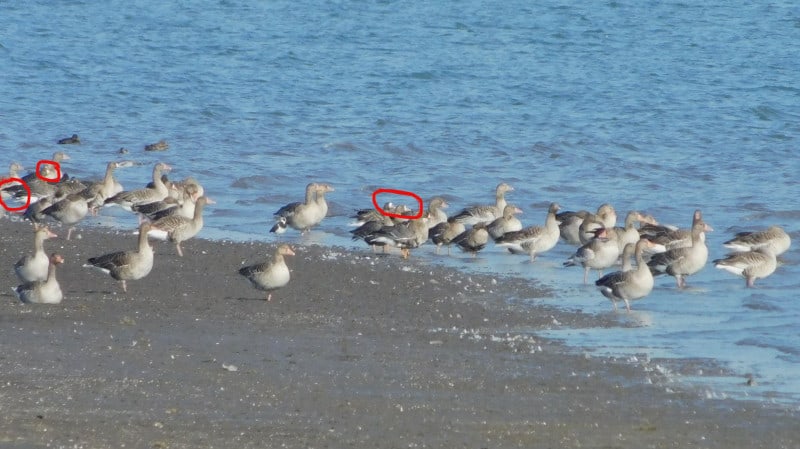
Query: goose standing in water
point(629, 233)
point(177, 229)
point(127, 265)
point(33, 267)
point(303, 215)
point(751, 265)
point(444, 233)
point(270, 275)
point(505, 224)
point(534, 240)
point(436, 214)
point(477, 214)
point(774, 239)
point(683, 261)
point(599, 253)
point(667, 237)
point(631, 283)
point(570, 225)
point(43, 292)
point(606, 217)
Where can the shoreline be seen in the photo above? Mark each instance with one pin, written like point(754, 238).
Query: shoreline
point(358, 350)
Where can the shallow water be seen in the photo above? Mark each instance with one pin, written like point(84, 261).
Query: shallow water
point(664, 107)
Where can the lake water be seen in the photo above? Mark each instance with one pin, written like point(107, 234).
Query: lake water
point(659, 106)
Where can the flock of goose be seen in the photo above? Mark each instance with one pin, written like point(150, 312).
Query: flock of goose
point(173, 211)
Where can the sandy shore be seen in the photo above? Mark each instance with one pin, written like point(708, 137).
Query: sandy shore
point(357, 351)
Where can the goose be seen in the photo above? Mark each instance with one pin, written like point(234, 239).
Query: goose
point(474, 239)
point(570, 224)
point(107, 187)
point(43, 292)
point(505, 224)
point(171, 206)
point(406, 235)
point(319, 200)
point(629, 233)
point(774, 238)
point(271, 275)
point(363, 216)
point(33, 267)
point(177, 229)
point(301, 216)
point(629, 284)
point(68, 210)
point(751, 265)
point(127, 265)
point(606, 217)
point(436, 214)
point(159, 191)
point(444, 233)
point(477, 214)
point(683, 261)
point(13, 173)
point(667, 237)
point(599, 253)
point(534, 240)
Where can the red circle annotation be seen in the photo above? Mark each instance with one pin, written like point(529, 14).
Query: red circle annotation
point(397, 192)
point(55, 164)
point(27, 189)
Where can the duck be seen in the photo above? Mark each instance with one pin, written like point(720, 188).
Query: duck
point(505, 224)
point(271, 275)
point(68, 210)
point(684, 261)
point(406, 235)
point(127, 265)
point(72, 140)
point(534, 240)
point(629, 284)
point(33, 267)
point(751, 265)
point(774, 239)
point(43, 292)
point(444, 233)
point(488, 213)
point(606, 217)
point(599, 253)
point(177, 229)
point(302, 215)
point(474, 239)
point(161, 145)
point(159, 191)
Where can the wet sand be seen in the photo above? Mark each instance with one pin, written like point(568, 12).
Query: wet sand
point(357, 351)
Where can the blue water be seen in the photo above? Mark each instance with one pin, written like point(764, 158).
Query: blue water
point(660, 106)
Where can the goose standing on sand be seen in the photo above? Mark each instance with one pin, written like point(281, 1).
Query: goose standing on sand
point(302, 216)
point(43, 292)
point(477, 214)
point(599, 253)
point(68, 210)
point(684, 261)
point(158, 192)
point(473, 240)
point(177, 229)
point(774, 239)
point(271, 275)
point(406, 235)
point(127, 265)
point(33, 267)
point(505, 224)
point(534, 240)
point(363, 216)
point(629, 284)
point(444, 233)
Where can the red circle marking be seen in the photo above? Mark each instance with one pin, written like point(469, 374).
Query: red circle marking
point(397, 192)
point(27, 189)
point(54, 164)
